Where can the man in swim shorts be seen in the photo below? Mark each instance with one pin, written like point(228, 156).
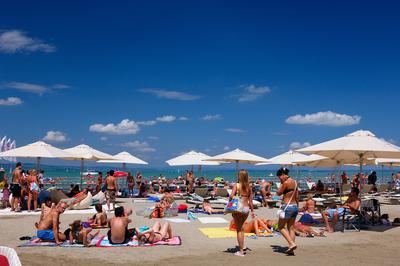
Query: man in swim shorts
point(48, 228)
point(351, 206)
point(111, 189)
point(119, 232)
point(15, 187)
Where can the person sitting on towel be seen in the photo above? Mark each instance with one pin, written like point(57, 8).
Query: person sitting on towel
point(351, 206)
point(77, 234)
point(119, 232)
point(159, 232)
point(48, 228)
point(46, 207)
point(100, 218)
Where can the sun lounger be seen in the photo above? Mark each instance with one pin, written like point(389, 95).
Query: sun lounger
point(8, 256)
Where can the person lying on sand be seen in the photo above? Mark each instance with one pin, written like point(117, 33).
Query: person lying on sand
point(351, 205)
point(159, 232)
point(256, 226)
point(309, 206)
point(100, 218)
point(78, 234)
point(48, 229)
point(119, 233)
point(207, 207)
point(300, 229)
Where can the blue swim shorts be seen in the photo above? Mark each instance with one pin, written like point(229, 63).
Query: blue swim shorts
point(46, 235)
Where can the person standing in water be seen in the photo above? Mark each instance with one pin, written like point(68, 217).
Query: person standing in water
point(289, 191)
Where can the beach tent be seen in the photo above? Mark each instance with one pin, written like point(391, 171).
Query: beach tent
point(191, 158)
point(356, 147)
point(37, 150)
point(238, 156)
point(84, 152)
point(124, 158)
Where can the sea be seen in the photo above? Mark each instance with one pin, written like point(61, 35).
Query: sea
point(67, 175)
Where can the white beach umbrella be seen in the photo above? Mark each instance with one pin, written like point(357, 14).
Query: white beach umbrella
point(387, 162)
point(238, 156)
point(287, 158)
point(124, 158)
point(191, 158)
point(357, 146)
point(38, 150)
point(84, 152)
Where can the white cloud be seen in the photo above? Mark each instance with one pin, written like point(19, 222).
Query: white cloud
point(14, 41)
point(252, 92)
point(212, 117)
point(166, 118)
point(10, 101)
point(147, 123)
point(298, 145)
point(183, 118)
point(171, 95)
point(125, 127)
point(139, 146)
point(33, 88)
point(235, 130)
point(104, 138)
point(324, 119)
point(227, 148)
point(55, 136)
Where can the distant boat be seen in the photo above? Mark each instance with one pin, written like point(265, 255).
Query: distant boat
point(90, 172)
point(270, 175)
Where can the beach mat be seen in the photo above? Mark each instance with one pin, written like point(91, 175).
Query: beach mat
point(201, 211)
point(223, 232)
point(212, 220)
point(177, 220)
point(35, 242)
point(104, 243)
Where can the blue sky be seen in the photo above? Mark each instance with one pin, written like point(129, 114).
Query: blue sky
point(209, 76)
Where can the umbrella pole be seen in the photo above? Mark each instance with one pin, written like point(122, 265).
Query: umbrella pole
point(37, 164)
point(361, 163)
point(81, 172)
point(124, 166)
point(298, 172)
point(382, 175)
point(237, 169)
point(200, 168)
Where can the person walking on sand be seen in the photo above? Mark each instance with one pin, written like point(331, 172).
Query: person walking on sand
point(289, 208)
point(243, 190)
point(111, 189)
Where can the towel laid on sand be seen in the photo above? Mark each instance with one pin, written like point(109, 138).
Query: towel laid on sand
point(201, 211)
point(36, 242)
point(175, 241)
point(212, 220)
point(223, 232)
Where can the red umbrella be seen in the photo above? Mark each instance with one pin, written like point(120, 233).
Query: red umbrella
point(120, 174)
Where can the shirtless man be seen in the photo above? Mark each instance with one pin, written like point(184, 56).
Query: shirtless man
point(309, 206)
point(16, 187)
point(48, 228)
point(189, 181)
point(119, 233)
point(351, 205)
point(46, 208)
point(266, 191)
point(111, 189)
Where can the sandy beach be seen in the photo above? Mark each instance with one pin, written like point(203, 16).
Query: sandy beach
point(375, 246)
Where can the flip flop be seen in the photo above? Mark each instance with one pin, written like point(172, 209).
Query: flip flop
point(25, 238)
point(237, 253)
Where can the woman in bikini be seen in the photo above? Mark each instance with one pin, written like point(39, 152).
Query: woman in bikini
point(289, 191)
point(130, 181)
point(78, 234)
point(159, 232)
point(255, 226)
point(243, 190)
point(33, 190)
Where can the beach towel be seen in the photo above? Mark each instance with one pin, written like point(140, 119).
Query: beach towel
point(177, 220)
point(204, 212)
point(223, 232)
point(103, 242)
point(35, 242)
point(212, 220)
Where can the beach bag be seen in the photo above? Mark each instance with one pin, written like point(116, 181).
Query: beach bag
point(281, 213)
point(158, 212)
point(235, 205)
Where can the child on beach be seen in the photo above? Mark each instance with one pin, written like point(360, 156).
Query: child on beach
point(6, 195)
point(78, 234)
point(100, 218)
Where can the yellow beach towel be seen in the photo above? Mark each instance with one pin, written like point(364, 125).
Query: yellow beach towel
point(223, 232)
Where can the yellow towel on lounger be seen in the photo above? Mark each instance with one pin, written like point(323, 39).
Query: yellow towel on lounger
point(223, 232)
